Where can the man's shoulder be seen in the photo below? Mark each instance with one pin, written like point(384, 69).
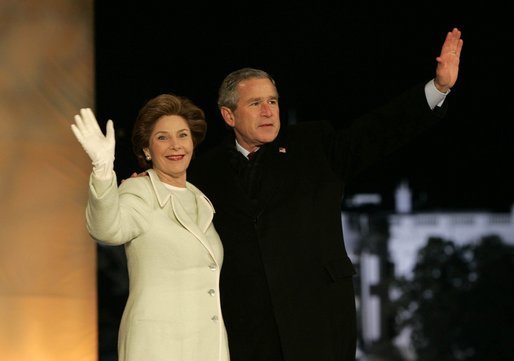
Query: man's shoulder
point(207, 154)
point(207, 160)
point(308, 125)
point(306, 128)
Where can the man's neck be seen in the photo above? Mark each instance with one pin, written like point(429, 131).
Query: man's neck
point(244, 151)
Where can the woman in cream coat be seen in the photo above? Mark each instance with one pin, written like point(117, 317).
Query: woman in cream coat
point(174, 254)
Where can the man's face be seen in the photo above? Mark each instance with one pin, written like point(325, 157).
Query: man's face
point(256, 120)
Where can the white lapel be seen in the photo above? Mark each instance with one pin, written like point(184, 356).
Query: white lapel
point(205, 210)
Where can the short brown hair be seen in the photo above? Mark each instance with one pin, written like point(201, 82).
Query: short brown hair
point(156, 108)
point(228, 96)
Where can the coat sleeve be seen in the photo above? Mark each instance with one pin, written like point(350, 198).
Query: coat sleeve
point(377, 134)
point(115, 215)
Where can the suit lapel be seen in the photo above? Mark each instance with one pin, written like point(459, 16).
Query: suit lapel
point(183, 218)
point(231, 163)
point(205, 210)
point(275, 162)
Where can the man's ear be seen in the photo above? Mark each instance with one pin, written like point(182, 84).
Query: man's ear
point(228, 116)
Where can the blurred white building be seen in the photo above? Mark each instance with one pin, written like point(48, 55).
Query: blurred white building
point(384, 244)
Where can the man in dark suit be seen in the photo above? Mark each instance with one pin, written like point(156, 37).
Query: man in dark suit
point(286, 284)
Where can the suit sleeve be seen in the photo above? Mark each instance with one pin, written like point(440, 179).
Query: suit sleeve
point(374, 136)
point(115, 216)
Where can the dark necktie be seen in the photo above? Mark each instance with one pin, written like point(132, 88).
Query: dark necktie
point(247, 169)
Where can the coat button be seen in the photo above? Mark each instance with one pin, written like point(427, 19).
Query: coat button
point(213, 267)
point(211, 292)
point(214, 318)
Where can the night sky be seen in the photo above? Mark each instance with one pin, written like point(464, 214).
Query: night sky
point(330, 62)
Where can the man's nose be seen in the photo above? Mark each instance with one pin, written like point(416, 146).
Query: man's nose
point(266, 110)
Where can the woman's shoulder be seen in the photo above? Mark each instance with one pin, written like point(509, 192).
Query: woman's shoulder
point(135, 184)
point(193, 188)
point(199, 193)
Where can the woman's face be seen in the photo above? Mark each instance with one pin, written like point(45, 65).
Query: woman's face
point(171, 148)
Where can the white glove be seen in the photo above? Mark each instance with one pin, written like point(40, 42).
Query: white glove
point(100, 148)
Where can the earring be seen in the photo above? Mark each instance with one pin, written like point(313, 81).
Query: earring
point(148, 158)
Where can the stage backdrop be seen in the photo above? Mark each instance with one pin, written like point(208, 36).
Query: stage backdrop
point(47, 260)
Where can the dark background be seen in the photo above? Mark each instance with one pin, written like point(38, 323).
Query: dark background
point(331, 60)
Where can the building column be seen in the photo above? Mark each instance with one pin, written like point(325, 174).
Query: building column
point(47, 260)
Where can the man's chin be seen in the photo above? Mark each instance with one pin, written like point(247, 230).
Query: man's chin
point(268, 137)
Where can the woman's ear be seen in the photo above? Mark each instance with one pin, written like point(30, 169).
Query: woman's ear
point(147, 153)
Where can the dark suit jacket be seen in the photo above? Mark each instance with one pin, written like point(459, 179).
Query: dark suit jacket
point(286, 282)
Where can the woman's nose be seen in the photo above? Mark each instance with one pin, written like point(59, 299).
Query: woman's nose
point(174, 144)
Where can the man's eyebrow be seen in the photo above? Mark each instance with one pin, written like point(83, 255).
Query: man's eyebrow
point(256, 99)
